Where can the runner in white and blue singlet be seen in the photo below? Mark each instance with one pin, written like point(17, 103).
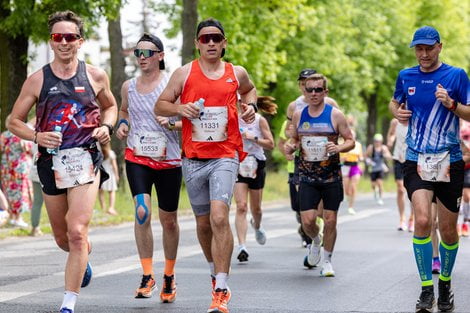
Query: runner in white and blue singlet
point(316, 132)
point(432, 97)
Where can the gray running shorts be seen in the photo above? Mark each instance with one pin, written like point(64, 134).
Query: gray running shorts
point(209, 179)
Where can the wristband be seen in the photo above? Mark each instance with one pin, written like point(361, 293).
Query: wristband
point(110, 128)
point(454, 106)
point(123, 121)
point(254, 105)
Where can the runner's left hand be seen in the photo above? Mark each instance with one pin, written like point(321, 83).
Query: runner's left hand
point(248, 113)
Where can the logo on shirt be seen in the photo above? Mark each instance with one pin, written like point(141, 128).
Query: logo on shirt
point(427, 81)
point(411, 90)
point(305, 125)
point(79, 89)
point(54, 90)
point(229, 80)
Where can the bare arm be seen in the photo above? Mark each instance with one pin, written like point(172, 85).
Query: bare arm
point(108, 105)
point(344, 131)
point(27, 98)
point(292, 145)
point(289, 116)
point(123, 128)
point(267, 142)
point(247, 93)
point(391, 134)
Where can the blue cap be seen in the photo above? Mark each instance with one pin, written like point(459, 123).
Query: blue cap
point(425, 35)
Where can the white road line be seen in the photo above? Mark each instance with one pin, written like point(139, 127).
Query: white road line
point(130, 263)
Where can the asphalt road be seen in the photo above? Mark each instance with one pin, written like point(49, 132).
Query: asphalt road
point(374, 264)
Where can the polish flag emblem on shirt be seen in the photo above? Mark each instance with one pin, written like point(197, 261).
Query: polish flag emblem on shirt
point(411, 90)
point(80, 89)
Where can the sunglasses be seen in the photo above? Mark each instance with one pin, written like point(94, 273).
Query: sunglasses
point(316, 89)
point(216, 38)
point(69, 37)
point(147, 53)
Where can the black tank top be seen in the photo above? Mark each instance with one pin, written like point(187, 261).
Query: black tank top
point(69, 103)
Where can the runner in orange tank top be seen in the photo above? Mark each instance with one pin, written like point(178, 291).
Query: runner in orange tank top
point(212, 144)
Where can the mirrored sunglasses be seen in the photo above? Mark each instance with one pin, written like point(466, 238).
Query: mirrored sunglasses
point(316, 89)
point(206, 38)
point(147, 53)
point(69, 37)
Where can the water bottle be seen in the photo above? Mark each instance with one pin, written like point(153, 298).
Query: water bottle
point(200, 104)
point(57, 129)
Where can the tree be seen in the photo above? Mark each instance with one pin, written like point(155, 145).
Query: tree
point(188, 27)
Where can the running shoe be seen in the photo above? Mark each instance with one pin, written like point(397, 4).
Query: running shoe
point(351, 211)
point(87, 276)
point(147, 286)
point(220, 300)
point(168, 293)
point(260, 234)
point(436, 266)
point(327, 270)
point(313, 254)
point(464, 231)
point(242, 255)
point(426, 301)
point(65, 310)
point(402, 226)
point(380, 201)
point(445, 302)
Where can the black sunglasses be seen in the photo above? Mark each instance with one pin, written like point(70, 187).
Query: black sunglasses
point(216, 38)
point(147, 53)
point(69, 37)
point(316, 89)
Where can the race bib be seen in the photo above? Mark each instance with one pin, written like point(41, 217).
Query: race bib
point(150, 144)
point(211, 125)
point(314, 148)
point(434, 167)
point(248, 167)
point(73, 167)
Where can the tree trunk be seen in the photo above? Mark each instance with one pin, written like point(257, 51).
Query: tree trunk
point(118, 76)
point(371, 101)
point(188, 27)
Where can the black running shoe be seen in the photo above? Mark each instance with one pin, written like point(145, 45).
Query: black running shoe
point(445, 302)
point(426, 300)
point(242, 256)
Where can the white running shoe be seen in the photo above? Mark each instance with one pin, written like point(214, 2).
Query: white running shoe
point(351, 211)
point(3, 217)
point(380, 202)
point(327, 270)
point(313, 254)
point(260, 233)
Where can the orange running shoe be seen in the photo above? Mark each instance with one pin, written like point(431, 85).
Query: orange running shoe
point(168, 293)
point(147, 285)
point(220, 300)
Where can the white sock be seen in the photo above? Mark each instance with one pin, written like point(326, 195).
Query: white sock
point(241, 247)
point(317, 240)
point(327, 255)
point(221, 281)
point(70, 298)
point(212, 268)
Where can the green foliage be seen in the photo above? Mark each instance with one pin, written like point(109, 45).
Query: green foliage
point(29, 17)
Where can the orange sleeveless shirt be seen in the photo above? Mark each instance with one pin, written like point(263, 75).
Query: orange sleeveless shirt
point(217, 93)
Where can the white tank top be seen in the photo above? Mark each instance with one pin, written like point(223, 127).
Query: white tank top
point(142, 118)
point(249, 146)
point(399, 151)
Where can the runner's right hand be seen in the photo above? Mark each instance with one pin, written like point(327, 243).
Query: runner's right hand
point(189, 110)
point(122, 131)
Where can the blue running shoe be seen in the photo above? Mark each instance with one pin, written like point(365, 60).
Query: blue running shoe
point(87, 276)
point(65, 310)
